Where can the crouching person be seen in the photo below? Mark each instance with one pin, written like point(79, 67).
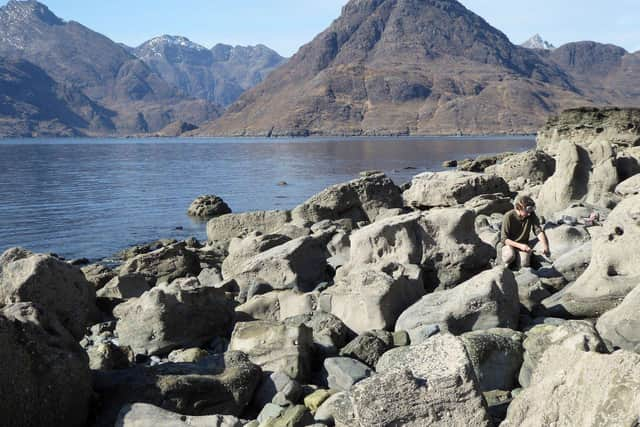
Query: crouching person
point(517, 226)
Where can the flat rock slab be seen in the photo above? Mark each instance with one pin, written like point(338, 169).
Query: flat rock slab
point(343, 372)
point(145, 415)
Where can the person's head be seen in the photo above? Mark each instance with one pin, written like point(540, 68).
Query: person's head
point(525, 206)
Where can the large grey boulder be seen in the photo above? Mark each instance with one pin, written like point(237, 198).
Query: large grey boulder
point(368, 347)
point(433, 385)
point(98, 274)
point(164, 264)
point(146, 415)
point(225, 227)
point(221, 384)
point(373, 296)
point(173, 316)
point(564, 239)
point(573, 263)
point(208, 206)
point(450, 188)
point(330, 334)
point(336, 410)
point(613, 271)
point(488, 204)
point(573, 334)
point(488, 300)
point(57, 287)
point(243, 249)
point(298, 264)
point(496, 356)
point(618, 126)
point(44, 373)
point(573, 387)
point(582, 174)
point(362, 199)
point(275, 346)
point(620, 327)
point(534, 165)
point(442, 241)
point(124, 287)
point(629, 186)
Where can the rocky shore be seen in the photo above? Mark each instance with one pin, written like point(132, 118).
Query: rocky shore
point(370, 304)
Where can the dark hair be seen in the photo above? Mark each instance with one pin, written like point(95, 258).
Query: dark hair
point(525, 203)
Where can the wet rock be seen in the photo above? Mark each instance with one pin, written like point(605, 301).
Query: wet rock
point(208, 206)
point(442, 189)
point(52, 284)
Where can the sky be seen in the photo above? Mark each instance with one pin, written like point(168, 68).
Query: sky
point(285, 25)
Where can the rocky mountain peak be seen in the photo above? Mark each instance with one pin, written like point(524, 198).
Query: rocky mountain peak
point(537, 42)
point(23, 11)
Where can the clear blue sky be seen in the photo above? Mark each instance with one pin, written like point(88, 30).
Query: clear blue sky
point(285, 25)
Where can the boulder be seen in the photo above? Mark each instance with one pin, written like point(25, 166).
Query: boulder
point(619, 126)
point(259, 307)
point(341, 373)
point(294, 416)
point(563, 239)
point(164, 264)
point(187, 355)
point(107, 355)
point(366, 348)
point(221, 384)
point(450, 188)
point(488, 300)
point(210, 277)
point(570, 335)
point(482, 162)
point(98, 274)
point(44, 373)
point(208, 206)
point(613, 271)
point(173, 316)
point(487, 204)
point(619, 326)
point(535, 166)
point(275, 346)
point(434, 384)
point(373, 296)
point(57, 287)
point(443, 242)
point(359, 200)
point(337, 410)
point(629, 186)
point(573, 387)
point(243, 249)
point(225, 227)
point(298, 264)
point(133, 251)
point(330, 334)
point(574, 262)
point(145, 415)
point(273, 384)
point(124, 287)
point(496, 356)
point(582, 175)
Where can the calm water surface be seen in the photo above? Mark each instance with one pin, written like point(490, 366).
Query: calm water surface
point(93, 197)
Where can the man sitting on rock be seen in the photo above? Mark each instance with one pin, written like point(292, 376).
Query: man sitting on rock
point(517, 225)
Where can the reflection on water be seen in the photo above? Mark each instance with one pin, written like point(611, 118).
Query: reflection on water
point(91, 198)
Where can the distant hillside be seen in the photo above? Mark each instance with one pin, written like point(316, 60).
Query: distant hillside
point(104, 71)
point(405, 67)
point(219, 75)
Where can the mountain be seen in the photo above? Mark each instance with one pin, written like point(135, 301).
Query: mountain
point(219, 75)
point(537, 42)
point(404, 67)
point(33, 104)
point(105, 72)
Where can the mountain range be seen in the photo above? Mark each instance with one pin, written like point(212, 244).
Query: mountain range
point(383, 67)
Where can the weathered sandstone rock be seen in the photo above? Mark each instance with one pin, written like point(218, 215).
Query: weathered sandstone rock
point(534, 165)
point(243, 249)
point(573, 387)
point(451, 188)
point(59, 288)
point(164, 264)
point(226, 227)
point(620, 327)
point(488, 300)
point(44, 373)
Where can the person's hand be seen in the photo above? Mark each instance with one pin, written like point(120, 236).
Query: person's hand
point(546, 251)
point(525, 248)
